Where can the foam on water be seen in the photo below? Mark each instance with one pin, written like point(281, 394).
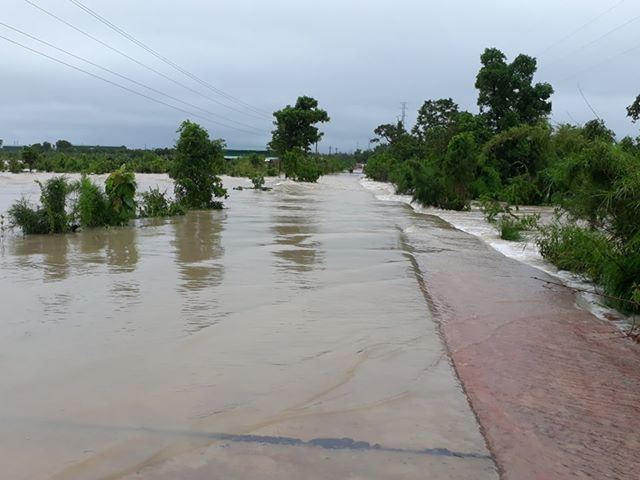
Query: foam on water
point(474, 223)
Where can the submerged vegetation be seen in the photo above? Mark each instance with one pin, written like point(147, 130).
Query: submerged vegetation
point(295, 132)
point(67, 205)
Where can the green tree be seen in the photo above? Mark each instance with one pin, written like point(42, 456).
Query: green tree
point(296, 126)
point(597, 130)
point(198, 160)
point(435, 116)
point(29, 156)
point(63, 145)
point(507, 96)
point(460, 165)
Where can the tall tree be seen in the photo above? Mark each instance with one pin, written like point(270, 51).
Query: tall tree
point(296, 126)
point(29, 156)
point(507, 96)
point(435, 116)
point(63, 145)
point(198, 160)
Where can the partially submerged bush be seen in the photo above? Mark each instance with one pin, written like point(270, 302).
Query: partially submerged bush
point(30, 219)
point(51, 216)
point(258, 182)
point(91, 208)
point(53, 195)
point(155, 203)
point(120, 188)
point(510, 225)
point(591, 253)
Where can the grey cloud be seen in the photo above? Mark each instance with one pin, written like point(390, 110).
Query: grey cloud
point(359, 58)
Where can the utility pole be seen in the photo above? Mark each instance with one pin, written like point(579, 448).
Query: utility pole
point(404, 112)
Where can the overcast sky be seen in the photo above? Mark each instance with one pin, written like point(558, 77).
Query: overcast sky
point(359, 58)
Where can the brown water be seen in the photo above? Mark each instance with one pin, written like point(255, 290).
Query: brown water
point(287, 336)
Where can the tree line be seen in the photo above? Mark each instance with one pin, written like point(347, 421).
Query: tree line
point(509, 154)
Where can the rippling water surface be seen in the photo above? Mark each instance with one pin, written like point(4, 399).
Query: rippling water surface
point(288, 334)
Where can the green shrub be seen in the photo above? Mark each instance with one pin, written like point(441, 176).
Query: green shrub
point(53, 195)
point(258, 182)
point(120, 188)
point(307, 170)
point(15, 165)
point(32, 220)
point(51, 216)
point(379, 166)
point(91, 208)
point(596, 256)
point(511, 227)
point(155, 203)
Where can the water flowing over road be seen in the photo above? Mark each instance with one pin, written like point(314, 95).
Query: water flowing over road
point(290, 335)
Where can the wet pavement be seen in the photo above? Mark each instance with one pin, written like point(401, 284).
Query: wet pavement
point(556, 390)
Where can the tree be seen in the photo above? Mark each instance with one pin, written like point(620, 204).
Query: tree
point(63, 145)
point(198, 160)
point(633, 110)
point(460, 165)
point(389, 132)
point(435, 116)
point(597, 130)
point(295, 126)
point(507, 95)
point(29, 156)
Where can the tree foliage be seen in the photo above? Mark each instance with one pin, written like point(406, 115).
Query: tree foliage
point(633, 110)
point(198, 161)
point(507, 96)
point(296, 126)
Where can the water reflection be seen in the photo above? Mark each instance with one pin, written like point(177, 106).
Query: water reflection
point(199, 253)
point(122, 249)
point(294, 226)
point(46, 252)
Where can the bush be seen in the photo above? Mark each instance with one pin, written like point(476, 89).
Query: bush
point(308, 170)
point(32, 221)
point(379, 166)
point(53, 195)
point(50, 217)
point(120, 188)
point(258, 182)
point(511, 227)
point(15, 165)
point(598, 258)
point(91, 208)
point(155, 203)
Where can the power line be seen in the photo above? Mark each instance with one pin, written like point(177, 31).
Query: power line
point(603, 62)
point(123, 87)
point(580, 28)
point(587, 102)
point(138, 62)
point(153, 52)
point(124, 77)
point(579, 49)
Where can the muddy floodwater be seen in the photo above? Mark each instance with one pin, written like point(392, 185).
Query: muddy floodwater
point(288, 336)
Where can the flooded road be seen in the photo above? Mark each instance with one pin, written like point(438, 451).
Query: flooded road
point(288, 336)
